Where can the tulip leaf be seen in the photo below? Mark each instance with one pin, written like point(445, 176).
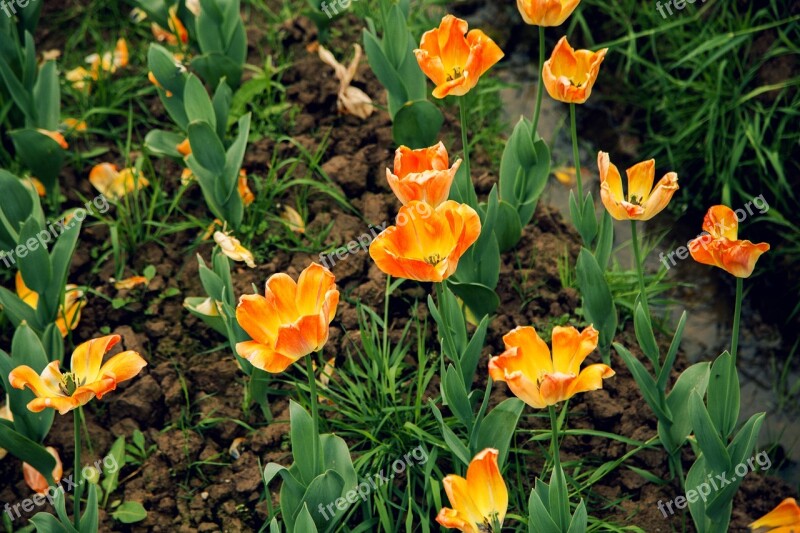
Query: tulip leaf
point(35, 264)
point(223, 96)
point(216, 67)
point(455, 397)
point(234, 157)
point(644, 334)
point(303, 437)
point(580, 519)
point(383, 69)
point(605, 240)
point(90, 518)
point(508, 228)
point(472, 354)
point(19, 203)
point(336, 456)
point(25, 449)
point(539, 519)
point(395, 40)
point(696, 476)
point(498, 427)
point(16, 310)
point(304, 523)
point(47, 97)
point(40, 154)
point(598, 303)
point(18, 92)
point(707, 435)
point(322, 490)
point(170, 76)
point(47, 523)
point(129, 513)
point(60, 258)
point(480, 299)
point(724, 394)
point(524, 169)
point(674, 433)
point(453, 442)
point(669, 361)
point(653, 396)
point(417, 124)
point(160, 142)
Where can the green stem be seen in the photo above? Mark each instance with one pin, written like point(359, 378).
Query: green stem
point(737, 315)
point(312, 385)
point(76, 469)
point(556, 463)
point(639, 267)
point(575, 153)
point(468, 194)
point(540, 89)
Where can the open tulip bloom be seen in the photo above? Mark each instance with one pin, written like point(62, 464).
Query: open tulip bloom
point(546, 12)
point(569, 74)
point(642, 202)
point(454, 59)
point(424, 175)
point(480, 501)
point(721, 248)
point(88, 377)
point(785, 518)
point(541, 380)
point(290, 321)
point(427, 242)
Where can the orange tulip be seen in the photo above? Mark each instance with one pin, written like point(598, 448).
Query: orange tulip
point(785, 518)
point(290, 321)
point(130, 283)
point(57, 137)
point(643, 201)
point(69, 314)
point(546, 12)
point(232, 247)
point(720, 247)
point(454, 59)
point(89, 377)
point(184, 148)
point(427, 242)
point(36, 481)
point(244, 190)
point(423, 175)
point(541, 380)
point(115, 184)
point(480, 501)
point(569, 74)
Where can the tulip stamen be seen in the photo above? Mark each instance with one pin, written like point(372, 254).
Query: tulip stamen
point(457, 73)
point(70, 383)
point(434, 259)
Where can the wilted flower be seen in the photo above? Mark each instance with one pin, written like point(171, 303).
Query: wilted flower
point(541, 380)
point(454, 59)
point(35, 480)
point(785, 518)
point(351, 100)
point(187, 176)
point(114, 184)
point(480, 501)
point(643, 202)
point(184, 148)
point(73, 124)
point(546, 12)
point(69, 314)
point(244, 190)
point(232, 248)
point(569, 75)
point(80, 79)
point(290, 321)
point(427, 242)
point(423, 175)
point(130, 283)
point(88, 376)
point(720, 246)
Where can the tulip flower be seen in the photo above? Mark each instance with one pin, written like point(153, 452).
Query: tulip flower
point(187, 176)
point(454, 59)
point(114, 184)
point(184, 148)
point(208, 307)
point(643, 202)
point(480, 501)
point(88, 377)
point(546, 12)
point(542, 380)
point(351, 100)
point(290, 321)
point(426, 242)
point(80, 79)
point(244, 190)
point(423, 175)
point(293, 219)
point(176, 26)
point(785, 518)
point(232, 248)
point(569, 74)
point(73, 124)
point(69, 314)
point(57, 137)
point(36, 481)
point(720, 246)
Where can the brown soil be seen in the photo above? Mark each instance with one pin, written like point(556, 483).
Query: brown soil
point(191, 482)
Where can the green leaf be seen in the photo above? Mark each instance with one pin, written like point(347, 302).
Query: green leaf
point(323, 490)
point(605, 241)
point(539, 519)
point(47, 523)
point(598, 303)
point(110, 479)
point(383, 69)
point(90, 518)
point(669, 361)
point(47, 97)
point(303, 437)
point(481, 300)
point(707, 435)
point(130, 513)
point(580, 519)
point(40, 154)
point(417, 124)
point(165, 143)
point(455, 445)
point(304, 523)
point(455, 396)
point(26, 450)
point(724, 394)
point(508, 228)
point(498, 427)
point(524, 170)
point(652, 395)
point(673, 434)
point(35, 265)
point(645, 336)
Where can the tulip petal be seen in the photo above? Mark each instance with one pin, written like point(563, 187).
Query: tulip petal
point(785, 515)
point(450, 518)
point(305, 336)
point(122, 367)
point(534, 354)
point(62, 404)
point(24, 375)
point(487, 489)
point(281, 295)
point(88, 357)
point(460, 495)
point(555, 387)
point(661, 195)
point(312, 289)
point(571, 348)
point(720, 221)
point(591, 378)
point(263, 357)
point(739, 257)
point(640, 181)
point(257, 318)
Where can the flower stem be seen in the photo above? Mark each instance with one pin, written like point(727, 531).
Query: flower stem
point(737, 315)
point(558, 512)
point(76, 469)
point(468, 195)
point(312, 385)
point(639, 267)
point(575, 153)
point(540, 89)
